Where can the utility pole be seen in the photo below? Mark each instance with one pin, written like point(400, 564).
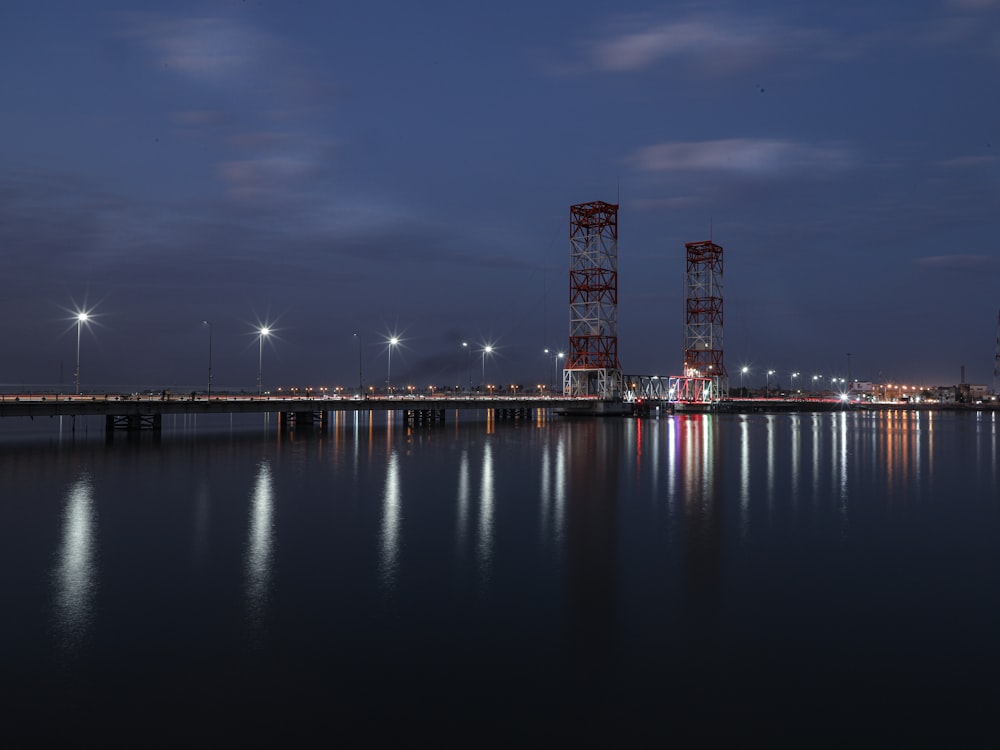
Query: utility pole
point(996, 358)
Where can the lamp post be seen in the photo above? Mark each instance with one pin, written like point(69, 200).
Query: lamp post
point(388, 368)
point(261, 333)
point(743, 371)
point(767, 384)
point(361, 381)
point(794, 375)
point(555, 366)
point(559, 356)
point(486, 350)
point(81, 318)
point(209, 324)
point(468, 361)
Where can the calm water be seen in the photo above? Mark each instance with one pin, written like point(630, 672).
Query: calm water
point(827, 579)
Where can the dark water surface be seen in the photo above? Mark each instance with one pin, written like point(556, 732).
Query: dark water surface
point(816, 580)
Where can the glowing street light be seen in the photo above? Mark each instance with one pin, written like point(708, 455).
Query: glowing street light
point(743, 371)
point(393, 341)
point(486, 350)
point(767, 383)
point(261, 333)
point(81, 318)
point(556, 356)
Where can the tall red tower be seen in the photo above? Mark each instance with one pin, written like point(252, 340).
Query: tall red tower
point(703, 331)
point(592, 366)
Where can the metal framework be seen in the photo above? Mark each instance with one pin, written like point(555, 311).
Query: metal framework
point(671, 389)
point(592, 365)
point(703, 331)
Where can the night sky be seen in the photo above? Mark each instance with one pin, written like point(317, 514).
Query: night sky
point(332, 168)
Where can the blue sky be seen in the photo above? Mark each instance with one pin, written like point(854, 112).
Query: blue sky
point(388, 167)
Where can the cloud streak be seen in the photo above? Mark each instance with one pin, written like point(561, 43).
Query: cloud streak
point(960, 262)
point(717, 43)
point(750, 156)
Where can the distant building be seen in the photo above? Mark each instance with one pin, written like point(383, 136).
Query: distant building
point(971, 393)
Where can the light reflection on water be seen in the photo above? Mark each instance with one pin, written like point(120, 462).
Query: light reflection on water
point(392, 519)
point(486, 502)
point(606, 559)
point(260, 546)
point(76, 574)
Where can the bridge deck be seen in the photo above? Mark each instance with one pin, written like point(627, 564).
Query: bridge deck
point(52, 405)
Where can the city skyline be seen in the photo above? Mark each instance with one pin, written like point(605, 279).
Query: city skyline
point(389, 170)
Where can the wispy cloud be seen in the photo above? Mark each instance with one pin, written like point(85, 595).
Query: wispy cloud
point(717, 43)
point(968, 162)
point(973, 5)
point(741, 155)
point(272, 106)
point(213, 49)
point(978, 263)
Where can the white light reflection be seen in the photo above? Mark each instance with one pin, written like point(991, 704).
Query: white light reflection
point(260, 544)
point(545, 493)
point(462, 522)
point(771, 472)
point(559, 486)
point(841, 463)
point(76, 575)
point(993, 443)
point(796, 457)
point(707, 468)
point(817, 440)
point(744, 478)
point(392, 518)
point(486, 497)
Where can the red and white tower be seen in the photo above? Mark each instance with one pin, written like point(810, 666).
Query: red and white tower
point(703, 331)
point(592, 366)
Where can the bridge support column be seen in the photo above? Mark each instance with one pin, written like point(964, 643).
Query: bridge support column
point(133, 422)
point(423, 416)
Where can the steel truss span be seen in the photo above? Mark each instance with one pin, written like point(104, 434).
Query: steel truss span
point(592, 365)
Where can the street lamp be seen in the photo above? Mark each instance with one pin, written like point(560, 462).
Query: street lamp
point(555, 364)
point(486, 350)
point(767, 383)
point(209, 324)
point(743, 371)
point(388, 368)
point(794, 375)
point(468, 361)
point(361, 381)
point(81, 318)
point(261, 333)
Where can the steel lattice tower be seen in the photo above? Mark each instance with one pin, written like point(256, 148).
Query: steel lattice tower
point(592, 366)
point(703, 332)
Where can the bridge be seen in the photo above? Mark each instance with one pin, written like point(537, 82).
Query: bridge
point(145, 411)
point(133, 412)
